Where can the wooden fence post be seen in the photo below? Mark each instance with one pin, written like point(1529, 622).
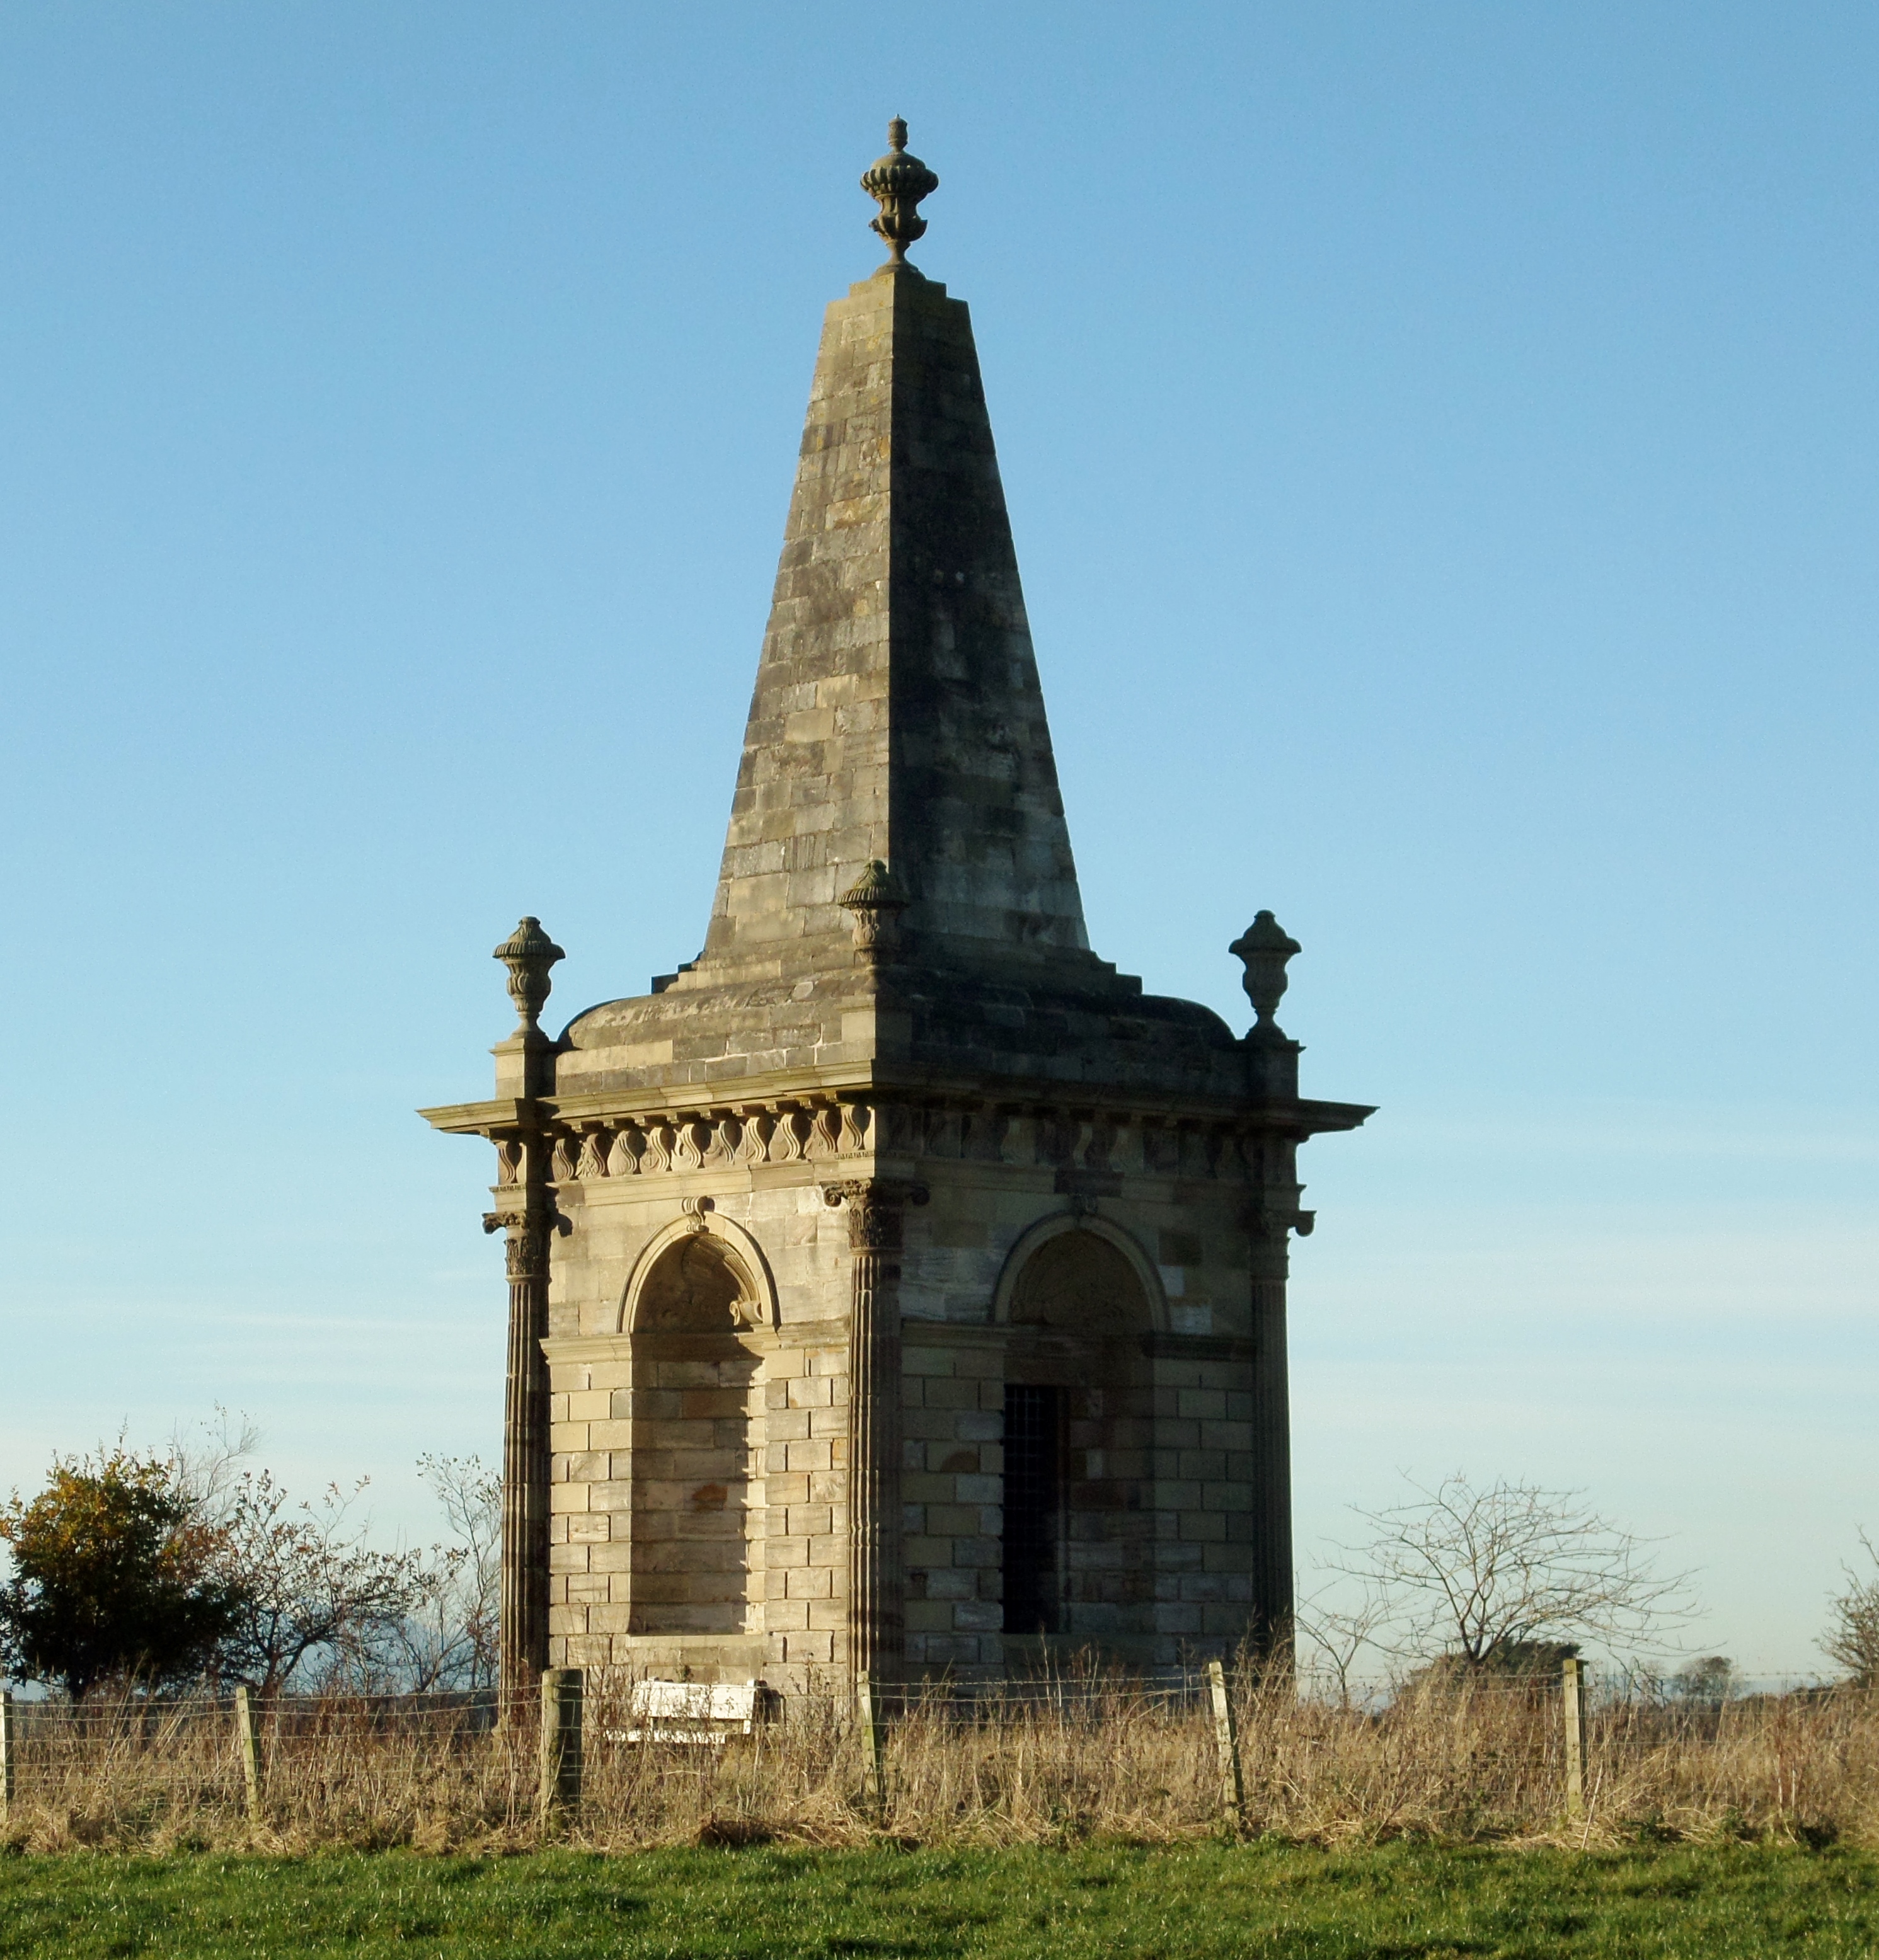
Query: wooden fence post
point(250, 1753)
point(562, 1696)
point(1572, 1700)
point(874, 1738)
point(6, 1753)
point(1227, 1741)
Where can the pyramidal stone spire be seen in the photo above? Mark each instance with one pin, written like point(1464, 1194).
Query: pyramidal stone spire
point(897, 715)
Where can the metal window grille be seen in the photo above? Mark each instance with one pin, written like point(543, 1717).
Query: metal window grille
point(1033, 1503)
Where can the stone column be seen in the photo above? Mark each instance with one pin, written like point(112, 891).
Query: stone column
point(876, 1611)
point(524, 1635)
point(1272, 1583)
point(1272, 1084)
point(525, 1069)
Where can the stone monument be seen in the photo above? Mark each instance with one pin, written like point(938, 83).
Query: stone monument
point(896, 1287)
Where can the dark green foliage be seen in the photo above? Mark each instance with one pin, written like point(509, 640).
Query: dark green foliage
point(149, 1571)
point(115, 1577)
point(1538, 1662)
point(1708, 1682)
point(1201, 1903)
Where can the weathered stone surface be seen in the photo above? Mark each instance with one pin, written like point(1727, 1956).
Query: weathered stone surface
point(897, 713)
point(897, 716)
point(778, 1438)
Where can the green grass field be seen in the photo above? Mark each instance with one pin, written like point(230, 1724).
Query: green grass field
point(1410, 1903)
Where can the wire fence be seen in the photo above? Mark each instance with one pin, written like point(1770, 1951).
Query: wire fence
point(1079, 1751)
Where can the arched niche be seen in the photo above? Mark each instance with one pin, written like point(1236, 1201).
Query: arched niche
point(1086, 1252)
point(713, 1254)
point(696, 1309)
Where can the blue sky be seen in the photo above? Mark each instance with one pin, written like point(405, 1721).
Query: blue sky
point(1444, 447)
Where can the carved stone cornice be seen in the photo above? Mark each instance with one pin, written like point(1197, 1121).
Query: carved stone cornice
point(1090, 1148)
point(1087, 1149)
point(864, 1083)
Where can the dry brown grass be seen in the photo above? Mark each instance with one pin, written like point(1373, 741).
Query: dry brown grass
point(1095, 1756)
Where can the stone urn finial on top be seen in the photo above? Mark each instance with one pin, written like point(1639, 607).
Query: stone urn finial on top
point(877, 901)
point(528, 952)
point(1265, 947)
point(896, 182)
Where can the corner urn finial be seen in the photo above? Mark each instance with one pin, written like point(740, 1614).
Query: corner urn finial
point(1265, 947)
point(877, 900)
point(896, 182)
point(528, 952)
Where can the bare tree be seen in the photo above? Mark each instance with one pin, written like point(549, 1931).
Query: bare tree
point(322, 1608)
point(204, 1464)
point(449, 1637)
point(1334, 1636)
point(1852, 1635)
point(319, 1605)
point(1485, 1577)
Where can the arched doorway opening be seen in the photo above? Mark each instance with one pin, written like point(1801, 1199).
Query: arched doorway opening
point(694, 1523)
point(1078, 1553)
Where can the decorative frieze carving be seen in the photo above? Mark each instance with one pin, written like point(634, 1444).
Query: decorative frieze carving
point(1199, 1151)
point(943, 1133)
point(1055, 1135)
point(1077, 1144)
point(986, 1131)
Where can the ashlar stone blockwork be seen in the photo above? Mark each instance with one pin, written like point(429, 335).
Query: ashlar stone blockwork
point(897, 1203)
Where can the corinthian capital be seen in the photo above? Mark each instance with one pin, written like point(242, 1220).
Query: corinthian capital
point(528, 1231)
point(875, 1208)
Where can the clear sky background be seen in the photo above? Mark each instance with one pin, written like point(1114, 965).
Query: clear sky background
point(1443, 443)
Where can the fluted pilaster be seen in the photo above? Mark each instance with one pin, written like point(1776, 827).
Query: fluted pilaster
point(877, 1618)
point(524, 1635)
point(1273, 1600)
